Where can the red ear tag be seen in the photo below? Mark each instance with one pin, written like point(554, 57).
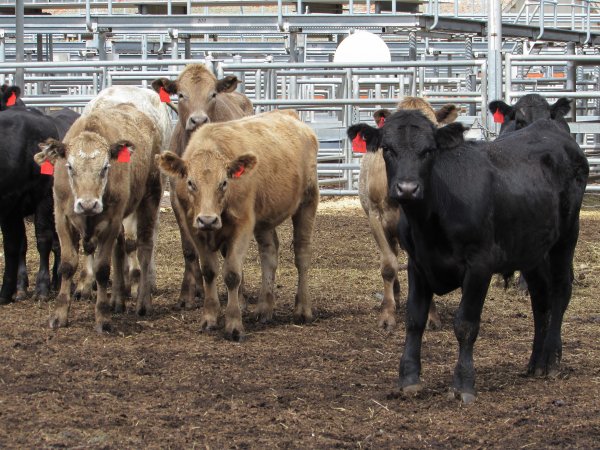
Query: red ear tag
point(358, 144)
point(381, 122)
point(11, 100)
point(47, 168)
point(124, 155)
point(498, 116)
point(164, 95)
point(239, 172)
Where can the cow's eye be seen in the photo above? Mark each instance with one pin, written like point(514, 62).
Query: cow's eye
point(191, 185)
point(223, 185)
point(214, 94)
point(104, 171)
point(69, 167)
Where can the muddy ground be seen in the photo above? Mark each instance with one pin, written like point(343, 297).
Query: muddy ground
point(158, 382)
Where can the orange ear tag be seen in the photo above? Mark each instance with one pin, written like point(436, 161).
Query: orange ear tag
point(124, 155)
point(381, 122)
point(239, 172)
point(164, 95)
point(498, 116)
point(358, 144)
point(47, 168)
point(11, 100)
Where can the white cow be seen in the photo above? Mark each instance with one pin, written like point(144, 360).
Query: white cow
point(148, 102)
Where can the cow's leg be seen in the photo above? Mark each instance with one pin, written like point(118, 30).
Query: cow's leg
point(69, 240)
point(118, 295)
point(132, 272)
point(539, 291)
point(389, 272)
point(102, 262)
point(192, 276)
point(561, 270)
point(146, 230)
point(211, 309)
point(303, 222)
point(232, 275)
point(22, 276)
point(433, 317)
point(13, 236)
point(268, 245)
point(466, 329)
point(44, 234)
point(86, 277)
point(56, 264)
point(417, 306)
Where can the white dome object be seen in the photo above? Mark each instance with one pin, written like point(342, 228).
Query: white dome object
point(362, 47)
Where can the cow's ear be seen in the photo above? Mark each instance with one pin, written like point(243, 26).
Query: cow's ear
point(372, 136)
point(505, 109)
point(446, 114)
point(10, 95)
point(450, 136)
point(380, 115)
point(50, 150)
point(227, 84)
point(122, 150)
point(172, 165)
point(241, 165)
point(166, 84)
point(561, 108)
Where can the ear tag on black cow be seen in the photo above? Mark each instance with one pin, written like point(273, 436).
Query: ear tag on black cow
point(11, 100)
point(47, 168)
point(239, 172)
point(164, 95)
point(124, 155)
point(358, 144)
point(498, 116)
point(381, 122)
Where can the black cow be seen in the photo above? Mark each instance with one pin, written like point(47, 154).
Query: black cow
point(472, 209)
point(24, 191)
point(528, 109)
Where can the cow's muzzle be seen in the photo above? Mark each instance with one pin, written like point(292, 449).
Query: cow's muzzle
point(195, 121)
point(208, 223)
point(407, 190)
point(88, 207)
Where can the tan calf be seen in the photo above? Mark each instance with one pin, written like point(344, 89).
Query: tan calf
point(384, 217)
point(241, 178)
point(95, 188)
point(202, 99)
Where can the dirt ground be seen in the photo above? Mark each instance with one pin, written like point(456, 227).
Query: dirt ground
point(158, 382)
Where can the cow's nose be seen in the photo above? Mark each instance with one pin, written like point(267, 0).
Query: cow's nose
point(196, 121)
point(407, 189)
point(208, 222)
point(87, 206)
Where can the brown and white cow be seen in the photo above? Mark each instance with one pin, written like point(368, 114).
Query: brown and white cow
point(104, 172)
point(384, 217)
point(202, 99)
point(243, 178)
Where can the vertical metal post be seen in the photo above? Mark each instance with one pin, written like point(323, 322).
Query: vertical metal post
point(469, 85)
point(520, 69)
point(20, 43)
point(2, 54)
point(102, 46)
point(412, 56)
point(241, 87)
point(187, 47)
point(144, 56)
point(571, 85)
point(494, 69)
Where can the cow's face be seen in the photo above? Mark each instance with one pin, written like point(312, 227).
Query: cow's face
point(528, 109)
point(409, 142)
point(207, 176)
point(88, 158)
point(198, 92)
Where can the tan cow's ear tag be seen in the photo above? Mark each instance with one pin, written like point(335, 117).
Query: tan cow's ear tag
point(381, 122)
point(124, 156)
point(47, 168)
point(358, 144)
point(239, 172)
point(164, 95)
point(498, 116)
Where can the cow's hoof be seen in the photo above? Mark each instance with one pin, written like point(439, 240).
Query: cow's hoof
point(143, 310)
point(5, 301)
point(40, 297)
point(208, 324)
point(57, 321)
point(20, 295)
point(387, 322)
point(235, 335)
point(412, 389)
point(119, 307)
point(103, 327)
point(302, 318)
point(82, 294)
point(464, 397)
point(264, 316)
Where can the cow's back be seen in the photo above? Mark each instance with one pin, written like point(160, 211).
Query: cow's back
point(145, 100)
